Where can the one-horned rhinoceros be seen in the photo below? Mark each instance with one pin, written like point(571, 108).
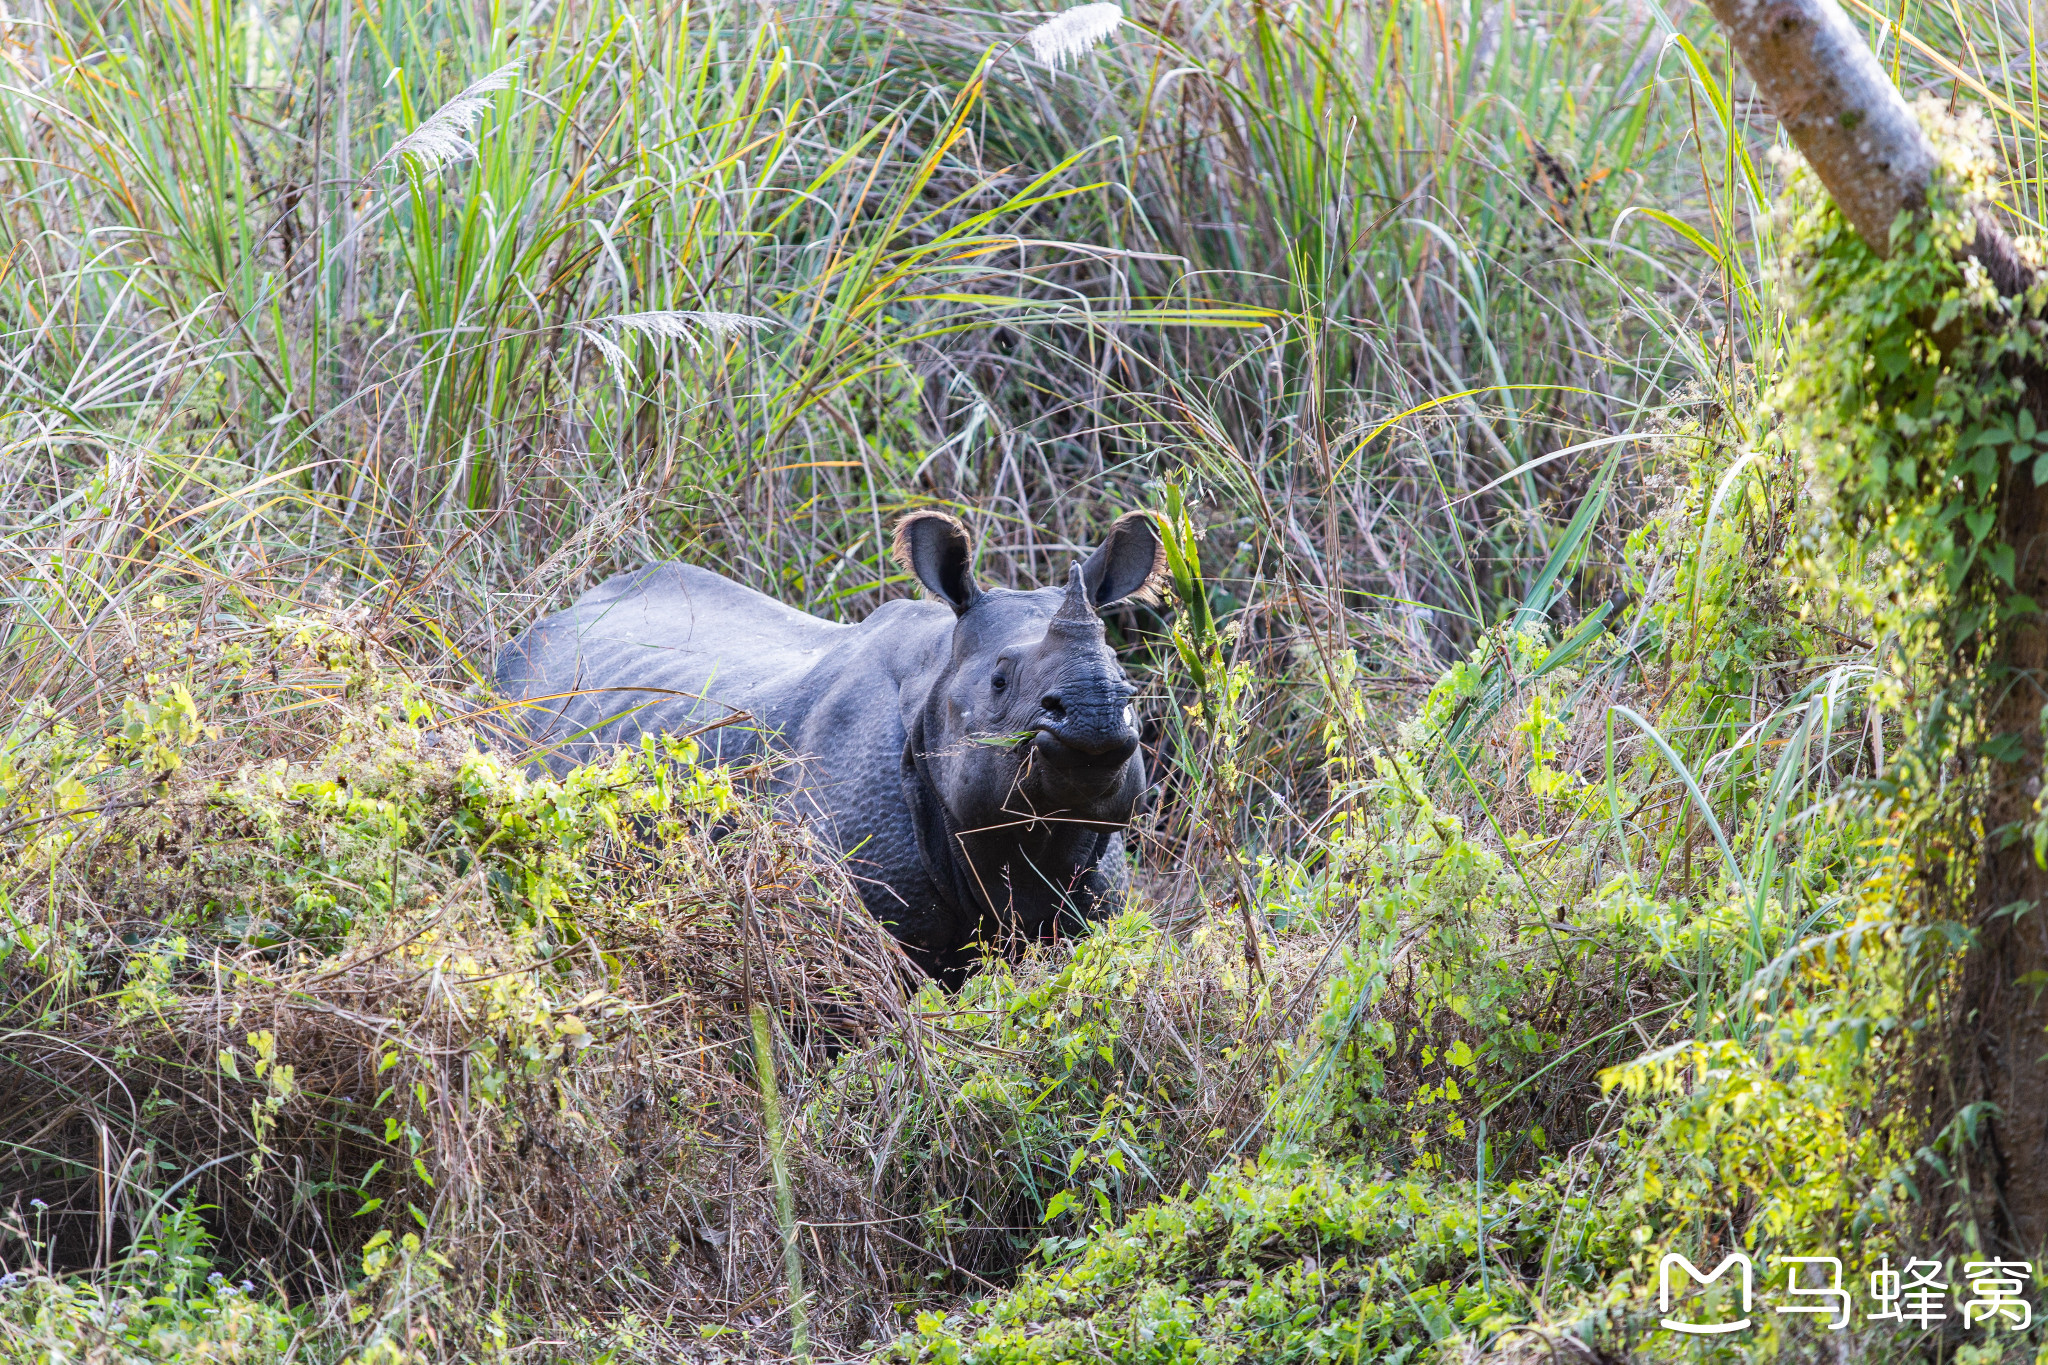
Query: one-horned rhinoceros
point(974, 756)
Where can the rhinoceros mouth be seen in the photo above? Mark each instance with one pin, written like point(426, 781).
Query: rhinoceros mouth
point(1066, 747)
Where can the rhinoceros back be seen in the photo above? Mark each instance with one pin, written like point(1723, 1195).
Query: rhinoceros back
point(662, 650)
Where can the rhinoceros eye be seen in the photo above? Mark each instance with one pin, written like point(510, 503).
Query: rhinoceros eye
point(999, 682)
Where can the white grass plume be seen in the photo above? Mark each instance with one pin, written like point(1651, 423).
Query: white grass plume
point(687, 325)
point(1073, 32)
point(443, 136)
point(682, 324)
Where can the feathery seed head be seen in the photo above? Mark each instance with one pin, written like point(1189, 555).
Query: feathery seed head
point(688, 326)
point(1072, 32)
point(683, 324)
point(443, 136)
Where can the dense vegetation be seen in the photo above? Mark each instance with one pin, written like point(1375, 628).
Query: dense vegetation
point(1568, 802)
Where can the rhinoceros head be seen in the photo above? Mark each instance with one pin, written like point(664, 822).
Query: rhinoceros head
point(1031, 715)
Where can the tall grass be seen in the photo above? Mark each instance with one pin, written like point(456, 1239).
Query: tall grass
point(969, 266)
point(1361, 271)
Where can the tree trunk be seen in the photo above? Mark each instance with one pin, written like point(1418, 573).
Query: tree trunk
point(2002, 1019)
point(1841, 110)
point(1855, 130)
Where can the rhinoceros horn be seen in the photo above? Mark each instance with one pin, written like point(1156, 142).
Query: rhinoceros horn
point(1076, 612)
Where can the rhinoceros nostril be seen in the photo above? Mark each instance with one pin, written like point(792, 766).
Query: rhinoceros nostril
point(1053, 706)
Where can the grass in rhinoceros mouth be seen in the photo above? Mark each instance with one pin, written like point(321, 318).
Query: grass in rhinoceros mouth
point(1009, 741)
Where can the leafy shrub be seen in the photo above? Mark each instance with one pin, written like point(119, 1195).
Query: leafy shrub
point(403, 1018)
point(164, 1304)
point(1284, 1257)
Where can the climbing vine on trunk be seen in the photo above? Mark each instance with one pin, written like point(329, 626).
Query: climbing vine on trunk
point(1913, 385)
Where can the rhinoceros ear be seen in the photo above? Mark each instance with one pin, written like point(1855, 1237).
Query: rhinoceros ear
point(936, 550)
point(1130, 562)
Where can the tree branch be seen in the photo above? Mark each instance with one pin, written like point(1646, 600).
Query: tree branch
point(1841, 110)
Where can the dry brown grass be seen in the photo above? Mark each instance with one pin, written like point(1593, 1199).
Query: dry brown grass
point(303, 957)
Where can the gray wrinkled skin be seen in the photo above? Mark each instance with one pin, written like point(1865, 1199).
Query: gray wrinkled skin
point(975, 756)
